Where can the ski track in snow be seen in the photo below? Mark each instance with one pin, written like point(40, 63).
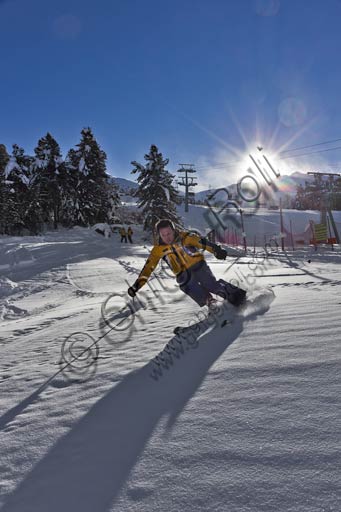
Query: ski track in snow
point(248, 419)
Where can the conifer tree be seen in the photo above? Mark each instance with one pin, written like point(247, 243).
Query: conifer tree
point(4, 157)
point(156, 194)
point(47, 163)
point(114, 198)
point(22, 208)
point(90, 201)
point(16, 190)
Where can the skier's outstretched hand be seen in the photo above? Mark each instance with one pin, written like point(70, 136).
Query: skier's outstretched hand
point(132, 290)
point(220, 253)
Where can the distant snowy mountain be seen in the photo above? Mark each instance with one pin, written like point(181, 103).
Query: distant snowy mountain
point(286, 186)
point(124, 184)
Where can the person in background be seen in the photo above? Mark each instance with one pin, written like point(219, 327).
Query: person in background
point(130, 233)
point(123, 234)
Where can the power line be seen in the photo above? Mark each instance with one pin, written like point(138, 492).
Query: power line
point(310, 146)
point(230, 164)
point(310, 153)
point(334, 165)
point(225, 164)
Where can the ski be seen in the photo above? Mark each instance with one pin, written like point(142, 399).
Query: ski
point(255, 301)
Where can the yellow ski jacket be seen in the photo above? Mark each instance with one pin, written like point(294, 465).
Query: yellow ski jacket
point(180, 255)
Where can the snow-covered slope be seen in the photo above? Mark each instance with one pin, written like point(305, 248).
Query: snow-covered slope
point(246, 419)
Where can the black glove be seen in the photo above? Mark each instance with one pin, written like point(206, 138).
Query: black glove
point(132, 290)
point(220, 253)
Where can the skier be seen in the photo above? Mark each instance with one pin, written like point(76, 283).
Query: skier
point(123, 234)
point(182, 252)
point(130, 233)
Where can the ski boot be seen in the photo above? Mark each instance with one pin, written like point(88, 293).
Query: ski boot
point(237, 298)
point(235, 295)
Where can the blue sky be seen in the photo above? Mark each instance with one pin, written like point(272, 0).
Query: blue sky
point(203, 80)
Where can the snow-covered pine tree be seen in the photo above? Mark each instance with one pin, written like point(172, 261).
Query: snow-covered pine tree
point(27, 191)
point(22, 205)
point(115, 200)
point(4, 157)
point(70, 191)
point(87, 169)
point(46, 169)
point(156, 194)
point(16, 184)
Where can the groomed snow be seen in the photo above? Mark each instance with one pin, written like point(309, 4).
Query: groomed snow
point(246, 420)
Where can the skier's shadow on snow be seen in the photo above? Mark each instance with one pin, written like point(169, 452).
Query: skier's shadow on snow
point(86, 469)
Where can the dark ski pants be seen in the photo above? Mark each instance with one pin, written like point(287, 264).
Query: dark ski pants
point(123, 237)
point(198, 282)
point(130, 239)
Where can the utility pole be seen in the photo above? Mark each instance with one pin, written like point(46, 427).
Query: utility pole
point(187, 181)
point(282, 224)
point(243, 229)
